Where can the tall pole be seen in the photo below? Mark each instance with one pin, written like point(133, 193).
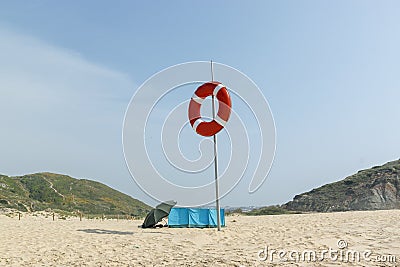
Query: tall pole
point(215, 160)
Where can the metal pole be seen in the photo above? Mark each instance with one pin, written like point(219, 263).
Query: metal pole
point(215, 161)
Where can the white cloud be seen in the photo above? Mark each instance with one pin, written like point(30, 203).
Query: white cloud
point(58, 111)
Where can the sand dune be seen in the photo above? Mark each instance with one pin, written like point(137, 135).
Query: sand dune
point(246, 241)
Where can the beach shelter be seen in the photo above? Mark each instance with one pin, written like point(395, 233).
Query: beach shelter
point(195, 217)
point(155, 215)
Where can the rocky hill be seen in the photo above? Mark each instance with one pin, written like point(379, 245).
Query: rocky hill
point(44, 191)
point(371, 189)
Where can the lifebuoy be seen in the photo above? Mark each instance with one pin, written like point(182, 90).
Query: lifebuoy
point(224, 110)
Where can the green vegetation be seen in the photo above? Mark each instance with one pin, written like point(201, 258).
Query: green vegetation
point(235, 211)
point(371, 189)
point(374, 188)
point(270, 210)
point(67, 195)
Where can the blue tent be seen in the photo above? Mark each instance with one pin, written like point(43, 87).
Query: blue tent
point(195, 217)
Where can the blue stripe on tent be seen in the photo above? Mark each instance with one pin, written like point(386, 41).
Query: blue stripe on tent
point(194, 217)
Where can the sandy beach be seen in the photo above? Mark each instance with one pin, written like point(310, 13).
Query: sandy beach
point(246, 241)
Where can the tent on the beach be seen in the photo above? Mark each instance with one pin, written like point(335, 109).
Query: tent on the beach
point(195, 217)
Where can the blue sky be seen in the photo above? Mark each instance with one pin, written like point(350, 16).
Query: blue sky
point(329, 70)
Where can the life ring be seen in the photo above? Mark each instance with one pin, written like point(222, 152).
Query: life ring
point(224, 110)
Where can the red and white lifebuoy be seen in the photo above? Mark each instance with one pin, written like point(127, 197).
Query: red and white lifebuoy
point(218, 90)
